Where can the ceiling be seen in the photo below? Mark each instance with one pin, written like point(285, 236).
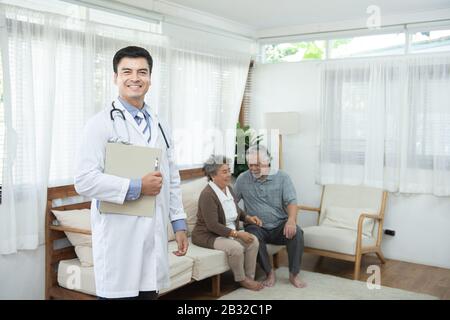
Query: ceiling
point(266, 14)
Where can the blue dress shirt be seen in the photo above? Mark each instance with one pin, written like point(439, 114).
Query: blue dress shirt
point(134, 190)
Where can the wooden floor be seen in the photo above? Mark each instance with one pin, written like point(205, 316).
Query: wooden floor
point(395, 274)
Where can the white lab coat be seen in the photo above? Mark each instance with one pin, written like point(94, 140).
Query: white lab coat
point(130, 252)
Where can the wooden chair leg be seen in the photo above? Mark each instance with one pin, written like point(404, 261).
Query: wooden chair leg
point(357, 267)
point(276, 260)
point(381, 257)
point(215, 285)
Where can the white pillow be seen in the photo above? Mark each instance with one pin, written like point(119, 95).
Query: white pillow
point(80, 219)
point(84, 253)
point(190, 193)
point(347, 218)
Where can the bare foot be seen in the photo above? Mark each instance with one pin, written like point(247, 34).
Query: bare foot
point(251, 284)
point(270, 280)
point(296, 281)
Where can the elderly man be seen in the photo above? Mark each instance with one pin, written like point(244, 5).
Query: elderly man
point(272, 198)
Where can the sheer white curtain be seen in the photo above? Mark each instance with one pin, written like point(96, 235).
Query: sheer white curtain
point(28, 49)
point(206, 91)
point(385, 122)
point(57, 73)
point(57, 68)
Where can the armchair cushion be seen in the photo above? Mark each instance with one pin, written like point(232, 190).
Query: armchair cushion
point(334, 239)
point(347, 218)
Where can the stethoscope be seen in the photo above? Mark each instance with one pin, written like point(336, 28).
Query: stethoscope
point(122, 116)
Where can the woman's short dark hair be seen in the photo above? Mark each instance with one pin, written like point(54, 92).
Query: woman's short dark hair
point(132, 52)
point(213, 164)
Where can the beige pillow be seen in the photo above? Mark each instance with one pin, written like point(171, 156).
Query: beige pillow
point(190, 193)
point(80, 219)
point(347, 218)
point(84, 253)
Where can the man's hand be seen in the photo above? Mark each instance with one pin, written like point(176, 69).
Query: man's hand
point(245, 236)
point(290, 229)
point(254, 220)
point(182, 241)
point(151, 183)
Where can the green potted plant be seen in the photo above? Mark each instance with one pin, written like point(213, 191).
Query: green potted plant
point(245, 137)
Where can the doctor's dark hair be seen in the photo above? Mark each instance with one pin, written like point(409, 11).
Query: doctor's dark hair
point(132, 52)
point(213, 164)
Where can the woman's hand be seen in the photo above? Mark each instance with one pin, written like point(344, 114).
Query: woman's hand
point(245, 236)
point(254, 220)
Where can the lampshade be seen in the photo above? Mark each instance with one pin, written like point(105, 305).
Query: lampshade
point(286, 122)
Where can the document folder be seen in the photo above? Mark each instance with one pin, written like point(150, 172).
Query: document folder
point(132, 162)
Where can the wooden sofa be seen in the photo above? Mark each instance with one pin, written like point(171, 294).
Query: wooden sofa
point(55, 256)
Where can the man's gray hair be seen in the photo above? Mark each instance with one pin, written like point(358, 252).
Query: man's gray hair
point(213, 164)
point(262, 152)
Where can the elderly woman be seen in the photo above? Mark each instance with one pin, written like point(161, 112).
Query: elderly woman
point(218, 221)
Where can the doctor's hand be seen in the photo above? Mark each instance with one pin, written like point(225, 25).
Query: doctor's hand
point(182, 241)
point(151, 183)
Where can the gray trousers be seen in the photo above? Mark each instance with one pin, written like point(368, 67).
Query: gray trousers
point(275, 236)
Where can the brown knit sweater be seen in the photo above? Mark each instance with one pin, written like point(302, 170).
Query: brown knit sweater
point(211, 219)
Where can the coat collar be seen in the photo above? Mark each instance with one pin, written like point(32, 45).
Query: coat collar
point(130, 120)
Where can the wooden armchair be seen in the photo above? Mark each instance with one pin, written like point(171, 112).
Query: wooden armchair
point(336, 239)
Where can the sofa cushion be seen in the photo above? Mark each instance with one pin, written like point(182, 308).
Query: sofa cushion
point(180, 271)
point(84, 253)
point(334, 239)
point(180, 274)
point(190, 193)
point(272, 249)
point(80, 219)
point(68, 270)
point(207, 262)
point(347, 218)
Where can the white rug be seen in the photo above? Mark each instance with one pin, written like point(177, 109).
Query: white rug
point(323, 287)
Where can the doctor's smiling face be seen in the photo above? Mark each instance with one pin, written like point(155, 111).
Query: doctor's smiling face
point(133, 79)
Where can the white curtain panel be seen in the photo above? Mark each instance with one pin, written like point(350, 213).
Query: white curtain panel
point(206, 91)
point(385, 122)
point(29, 51)
point(57, 73)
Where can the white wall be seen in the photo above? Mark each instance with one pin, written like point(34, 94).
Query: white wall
point(22, 275)
point(421, 222)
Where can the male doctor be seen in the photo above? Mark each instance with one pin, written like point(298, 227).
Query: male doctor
point(130, 252)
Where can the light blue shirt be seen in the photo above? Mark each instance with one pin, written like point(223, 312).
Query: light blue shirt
point(267, 199)
point(134, 190)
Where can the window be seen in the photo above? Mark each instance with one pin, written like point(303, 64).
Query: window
point(244, 114)
point(359, 46)
point(384, 44)
point(348, 114)
point(430, 41)
point(386, 123)
point(292, 52)
point(2, 128)
point(430, 123)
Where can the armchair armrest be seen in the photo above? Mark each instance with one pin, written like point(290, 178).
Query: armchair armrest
point(307, 208)
point(363, 216)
